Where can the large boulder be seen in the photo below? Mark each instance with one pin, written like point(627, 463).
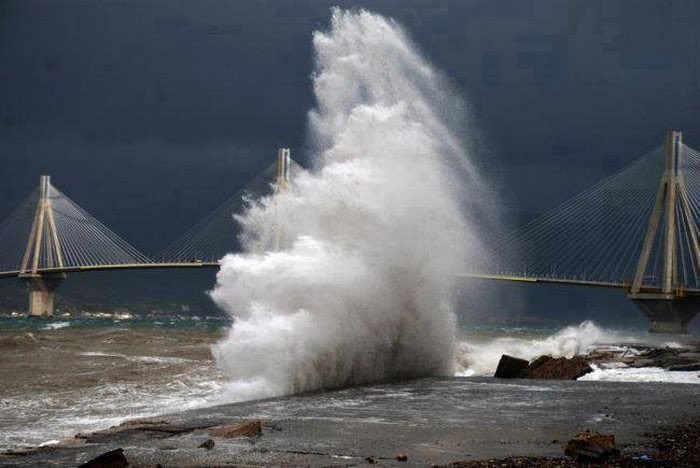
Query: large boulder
point(591, 446)
point(544, 367)
point(207, 444)
point(547, 367)
point(510, 367)
point(112, 459)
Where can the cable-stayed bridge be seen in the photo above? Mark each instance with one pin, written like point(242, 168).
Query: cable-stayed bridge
point(49, 235)
point(636, 230)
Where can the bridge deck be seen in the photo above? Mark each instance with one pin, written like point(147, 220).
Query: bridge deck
point(566, 281)
point(125, 266)
point(195, 265)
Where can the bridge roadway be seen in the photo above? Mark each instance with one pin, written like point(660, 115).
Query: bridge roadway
point(125, 266)
point(574, 282)
point(198, 264)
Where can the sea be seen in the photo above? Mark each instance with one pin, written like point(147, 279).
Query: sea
point(70, 375)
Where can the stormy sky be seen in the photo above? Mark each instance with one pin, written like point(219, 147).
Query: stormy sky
point(148, 113)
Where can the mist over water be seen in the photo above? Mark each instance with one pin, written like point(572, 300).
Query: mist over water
point(361, 290)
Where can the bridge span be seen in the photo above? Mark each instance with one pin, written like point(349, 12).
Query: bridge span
point(124, 266)
point(49, 236)
point(636, 230)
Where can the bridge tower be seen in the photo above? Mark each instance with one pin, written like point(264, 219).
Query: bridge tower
point(668, 309)
point(283, 166)
point(281, 183)
point(43, 251)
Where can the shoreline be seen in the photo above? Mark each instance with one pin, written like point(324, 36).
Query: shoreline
point(677, 445)
point(463, 418)
point(472, 421)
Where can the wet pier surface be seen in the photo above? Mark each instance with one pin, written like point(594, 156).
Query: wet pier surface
point(430, 421)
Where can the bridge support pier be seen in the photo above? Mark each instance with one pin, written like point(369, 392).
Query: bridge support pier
point(41, 294)
point(667, 315)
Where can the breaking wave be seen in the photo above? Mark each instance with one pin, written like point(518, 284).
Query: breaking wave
point(361, 290)
point(480, 358)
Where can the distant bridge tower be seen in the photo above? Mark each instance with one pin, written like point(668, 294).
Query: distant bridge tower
point(670, 310)
point(283, 166)
point(43, 251)
point(281, 184)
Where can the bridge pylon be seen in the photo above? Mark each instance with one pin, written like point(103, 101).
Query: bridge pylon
point(281, 184)
point(283, 167)
point(43, 250)
point(668, 308)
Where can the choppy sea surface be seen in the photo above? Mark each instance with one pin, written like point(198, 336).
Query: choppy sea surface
point(69, 375)
point(65, 376)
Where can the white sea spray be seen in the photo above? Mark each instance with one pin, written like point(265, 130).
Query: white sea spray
point(374, 235)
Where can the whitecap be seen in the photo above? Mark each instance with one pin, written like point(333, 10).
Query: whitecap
point(481, 358)
point(55, 325)
point(642, 374)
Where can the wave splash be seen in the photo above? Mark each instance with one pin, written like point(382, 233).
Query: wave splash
point(482, 358)
point(361, 290)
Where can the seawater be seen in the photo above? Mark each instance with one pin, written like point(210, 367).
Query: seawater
point(71, 375)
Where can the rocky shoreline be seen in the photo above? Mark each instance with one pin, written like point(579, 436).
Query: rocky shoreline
point(684, 357)
point(674, 446)
point(680, 358)
point(462, 422)
point(441, 422)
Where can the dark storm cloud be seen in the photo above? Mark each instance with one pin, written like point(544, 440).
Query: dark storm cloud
point(116, 71)
point(548, 80)
point(149, 112)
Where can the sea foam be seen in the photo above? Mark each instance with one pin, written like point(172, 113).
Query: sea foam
point(642, 374)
